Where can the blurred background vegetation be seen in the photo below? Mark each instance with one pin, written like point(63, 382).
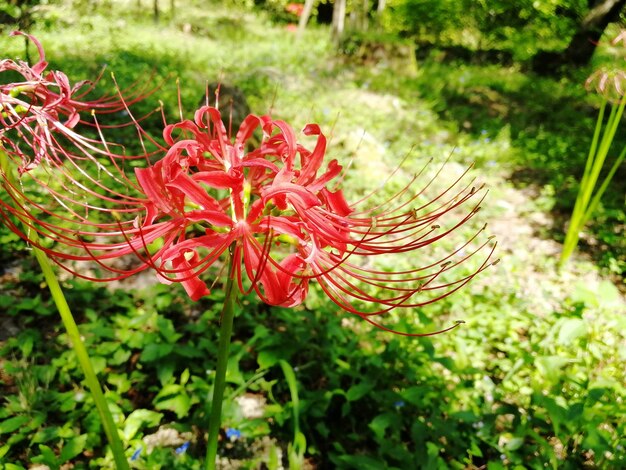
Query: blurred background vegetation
point(535, 377)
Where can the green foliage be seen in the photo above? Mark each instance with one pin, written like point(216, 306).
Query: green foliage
point(534, 377)
point(517, 26)
point(17, 13)
point(532, 390)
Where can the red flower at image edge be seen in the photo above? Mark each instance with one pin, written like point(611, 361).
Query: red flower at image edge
point(43, 104)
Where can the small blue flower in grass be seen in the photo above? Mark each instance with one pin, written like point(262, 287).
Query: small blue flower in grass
point(136, 454)
point(182, 449)
point(233, 434)
point(399, 404)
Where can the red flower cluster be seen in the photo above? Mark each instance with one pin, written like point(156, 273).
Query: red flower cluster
point(288, 226)
point(41, 105)
point(270, 200)
point(60, 170)
point(277, 208)
point(295, 8)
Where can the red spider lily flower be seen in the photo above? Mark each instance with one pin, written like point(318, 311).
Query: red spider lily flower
point(42, 104)
point(279, 209)
point(607, 82)
point(63, 175)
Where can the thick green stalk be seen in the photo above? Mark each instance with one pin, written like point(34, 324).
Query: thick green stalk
point(226, 331)
point(67, 318)
point(593, 150)
point(594, 145)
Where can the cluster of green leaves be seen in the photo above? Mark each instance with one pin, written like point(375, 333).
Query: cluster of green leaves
point(16, 13)
point(510, 388)
point(533, 377)
point(517, 26)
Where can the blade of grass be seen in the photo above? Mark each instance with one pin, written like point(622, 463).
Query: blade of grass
point(297, 448)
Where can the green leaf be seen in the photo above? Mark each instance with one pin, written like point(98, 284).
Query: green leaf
point(184, 377)
point(170, 389)
point(99, 363)
point(11, 10)
point(515, 443)
point(189, 351)
point(165, 371)
point(362, 462)
point(26, 344)
point(358, 391)
point(155, 351)
point(72, 448)
point(163, 301)
point(4, 450)
point(575, 412)
point(551, 366)
point(417, 395)
point(475, 450)
point(46, 434)
point(179, 404)
point(11, 424)
point(267, 359)
point(167, 330)
point(120, 381)
point(570, 330)
point(47, 456)
point(381, 422)
point(139, 418)
point(120, 356)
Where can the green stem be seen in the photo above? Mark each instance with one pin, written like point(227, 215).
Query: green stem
point(585, 205)
point(67, 318)
point(297, 448)
point(83, 359)
point(226, 331)
point(605, 184)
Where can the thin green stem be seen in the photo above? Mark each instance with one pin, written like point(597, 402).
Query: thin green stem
point(226, 331)
point(585, 204)
point(297, 448)
point(67, 318)
point(600, 192)
point(605, 145)
point(594, 146)
point(83, 359)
